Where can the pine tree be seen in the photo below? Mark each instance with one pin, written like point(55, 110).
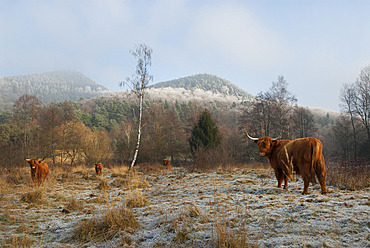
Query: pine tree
point(205, 133)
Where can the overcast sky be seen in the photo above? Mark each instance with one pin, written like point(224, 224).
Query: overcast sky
point(316, 45)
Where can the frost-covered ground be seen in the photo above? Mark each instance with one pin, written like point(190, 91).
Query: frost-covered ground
point(192, 210)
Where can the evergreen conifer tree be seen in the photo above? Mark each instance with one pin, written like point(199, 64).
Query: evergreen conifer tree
point(205, 133)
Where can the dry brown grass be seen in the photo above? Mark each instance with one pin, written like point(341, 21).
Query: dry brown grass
point(18, 241)
point(35, 196)
point(103, 185)
point(136, 200)
point(348, 175)
point(151, 168)
point(16, 175)
point(74, 205)
point(105, 227)
point(131, 180)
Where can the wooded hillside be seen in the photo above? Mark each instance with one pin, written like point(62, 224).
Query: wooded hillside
point(207, 82)
point(49, 87)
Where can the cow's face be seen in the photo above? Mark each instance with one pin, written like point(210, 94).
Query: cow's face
point(265, 145)
point(34, 163)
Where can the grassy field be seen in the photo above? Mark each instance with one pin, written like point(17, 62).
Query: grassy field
point(156, 206)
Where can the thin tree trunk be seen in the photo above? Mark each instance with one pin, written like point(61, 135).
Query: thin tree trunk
point(354, 136)
point(139, 130)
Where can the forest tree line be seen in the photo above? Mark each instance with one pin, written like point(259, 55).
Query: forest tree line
point(104, 130)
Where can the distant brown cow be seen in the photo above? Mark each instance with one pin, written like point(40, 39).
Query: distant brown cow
point(98, 168)
point(304, 156)
point(39, 170)
point(166, 162)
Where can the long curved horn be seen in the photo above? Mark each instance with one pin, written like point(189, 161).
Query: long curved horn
point(279, 136)
point(251, 137)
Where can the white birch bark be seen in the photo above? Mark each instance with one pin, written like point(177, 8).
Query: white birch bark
point(139, 131)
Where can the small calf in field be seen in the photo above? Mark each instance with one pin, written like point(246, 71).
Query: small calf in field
point(166, 162)
point(98, 168)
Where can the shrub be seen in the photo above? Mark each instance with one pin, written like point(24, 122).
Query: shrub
point(348, 174)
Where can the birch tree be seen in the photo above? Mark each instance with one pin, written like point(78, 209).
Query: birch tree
point(139, 82)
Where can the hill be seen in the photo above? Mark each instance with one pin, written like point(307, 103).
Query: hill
point(205, 82)
point(48, 87)
point(202, 88)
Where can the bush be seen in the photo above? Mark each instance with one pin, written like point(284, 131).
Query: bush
point(346, 174)
point(207, 159)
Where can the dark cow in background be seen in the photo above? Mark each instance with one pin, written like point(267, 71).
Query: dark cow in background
point(98, 168)
point(166, 162)
point(39, 170)
point(304, 156)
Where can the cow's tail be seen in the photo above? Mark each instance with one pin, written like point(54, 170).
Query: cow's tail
point(315, 155)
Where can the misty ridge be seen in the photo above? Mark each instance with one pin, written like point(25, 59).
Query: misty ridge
point(56, 86)
point(65, 85)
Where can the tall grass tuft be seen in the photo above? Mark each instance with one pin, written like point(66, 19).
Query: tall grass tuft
point(34, 197)
point(136, 200)
point(74, 205)
point(105, 227)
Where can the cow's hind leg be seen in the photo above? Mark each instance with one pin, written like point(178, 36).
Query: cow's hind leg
point(321, 176)
point(280, 177)
point(306, 181)
point(286, 179)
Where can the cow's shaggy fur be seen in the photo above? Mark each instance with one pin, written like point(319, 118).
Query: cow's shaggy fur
point(39, 170)
point(98, 168)
point(166, 162)
point(304, 156)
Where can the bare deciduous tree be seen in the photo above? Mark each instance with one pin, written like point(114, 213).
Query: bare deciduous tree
point(362, 98)
point(355, 103)
point(139, 82)
point(271, 111)
point(25, 115)
point(303, 122)
point(348, 98)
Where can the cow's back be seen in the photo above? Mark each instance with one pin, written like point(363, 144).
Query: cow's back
point(43, 170)
point(305, 152)
point(278, 152)
point(300, 149)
